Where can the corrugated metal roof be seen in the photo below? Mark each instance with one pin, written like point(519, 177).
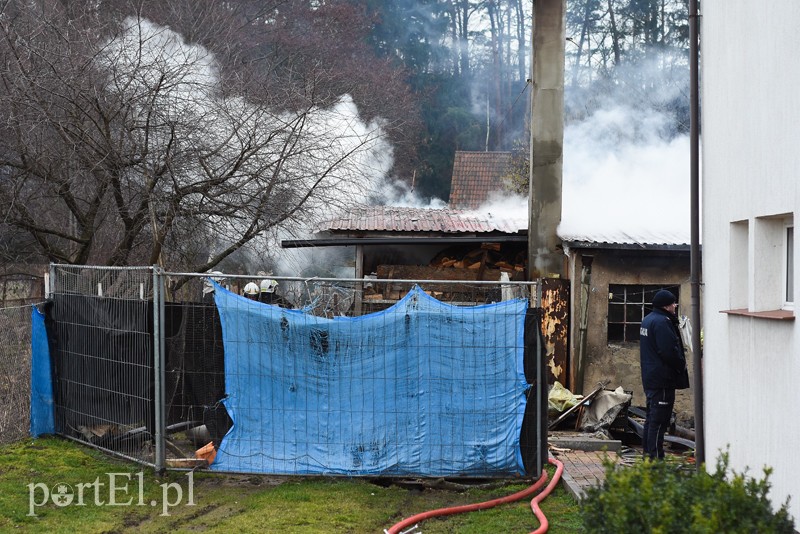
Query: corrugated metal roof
point(399, 219)
point(640, 237)
point(385, 219)
point(475, 176)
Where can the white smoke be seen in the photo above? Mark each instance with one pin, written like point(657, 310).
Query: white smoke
point(625, 164)
point(328, 153)
point(504, 205)
point(620, 175)
point(399, 194)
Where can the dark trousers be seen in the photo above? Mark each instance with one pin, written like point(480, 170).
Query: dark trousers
point(659, 414)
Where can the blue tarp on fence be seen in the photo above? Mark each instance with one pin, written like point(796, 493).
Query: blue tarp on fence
point(423, 388)
point(42, 420)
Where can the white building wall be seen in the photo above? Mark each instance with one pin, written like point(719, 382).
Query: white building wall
point(750, 80)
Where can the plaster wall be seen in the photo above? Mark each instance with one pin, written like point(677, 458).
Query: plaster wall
point(750, 162)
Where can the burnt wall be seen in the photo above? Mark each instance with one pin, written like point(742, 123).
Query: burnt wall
point(618, 361)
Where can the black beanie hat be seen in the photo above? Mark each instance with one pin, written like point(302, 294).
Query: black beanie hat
point(663, 298)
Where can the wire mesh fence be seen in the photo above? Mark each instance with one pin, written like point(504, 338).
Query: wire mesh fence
point(310, 393)
point(163, 367)
point(341, 297)
point(15, 372)
point(100, 322)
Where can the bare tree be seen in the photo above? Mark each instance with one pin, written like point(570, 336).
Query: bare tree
point(123, 144)
point(522, 42)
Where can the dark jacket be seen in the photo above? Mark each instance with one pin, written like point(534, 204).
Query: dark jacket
point(661, 351)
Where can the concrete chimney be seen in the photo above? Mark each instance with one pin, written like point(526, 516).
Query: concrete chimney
point(547, 139)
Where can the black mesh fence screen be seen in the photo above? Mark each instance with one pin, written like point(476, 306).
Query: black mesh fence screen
point(100, 329)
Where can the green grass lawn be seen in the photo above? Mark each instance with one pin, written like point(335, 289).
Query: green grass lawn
point(55, 470)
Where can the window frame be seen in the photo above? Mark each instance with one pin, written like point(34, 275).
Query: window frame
point(770, 267)
point(646, 292)
point(788, 265)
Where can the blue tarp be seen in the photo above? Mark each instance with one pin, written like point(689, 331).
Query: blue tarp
point(423, 388)
point(42, 420)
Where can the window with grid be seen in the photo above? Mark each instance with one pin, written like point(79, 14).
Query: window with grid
point(628, 304)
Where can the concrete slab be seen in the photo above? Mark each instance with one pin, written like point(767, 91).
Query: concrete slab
point(583, 442)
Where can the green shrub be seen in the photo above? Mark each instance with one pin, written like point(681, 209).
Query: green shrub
point(664, 497)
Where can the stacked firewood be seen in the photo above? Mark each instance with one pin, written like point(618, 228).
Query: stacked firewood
point(487, 256)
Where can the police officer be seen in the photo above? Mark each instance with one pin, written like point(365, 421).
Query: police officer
point(663, 370)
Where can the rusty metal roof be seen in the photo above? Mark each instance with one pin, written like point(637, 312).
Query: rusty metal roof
point(395, 220)
point(399, 219)
point(475, 176)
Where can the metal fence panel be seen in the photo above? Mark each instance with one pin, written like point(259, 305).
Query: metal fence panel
point(100, 324)
point(196, 356)
point(139, 359)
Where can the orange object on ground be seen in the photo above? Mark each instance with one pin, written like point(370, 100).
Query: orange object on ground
point(207, 452)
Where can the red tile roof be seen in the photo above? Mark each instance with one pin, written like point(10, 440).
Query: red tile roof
point(475, 175)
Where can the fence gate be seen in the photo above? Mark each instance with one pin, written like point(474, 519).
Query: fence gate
point(334, 376)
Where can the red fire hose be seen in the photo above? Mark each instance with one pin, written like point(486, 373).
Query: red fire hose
point(543, 524)
point(398, 527)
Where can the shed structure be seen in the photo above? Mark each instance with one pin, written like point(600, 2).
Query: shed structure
point(613, 278)
point(587, 341)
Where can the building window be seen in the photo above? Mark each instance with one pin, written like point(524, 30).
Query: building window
point(628, 305)
point(773, 263)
